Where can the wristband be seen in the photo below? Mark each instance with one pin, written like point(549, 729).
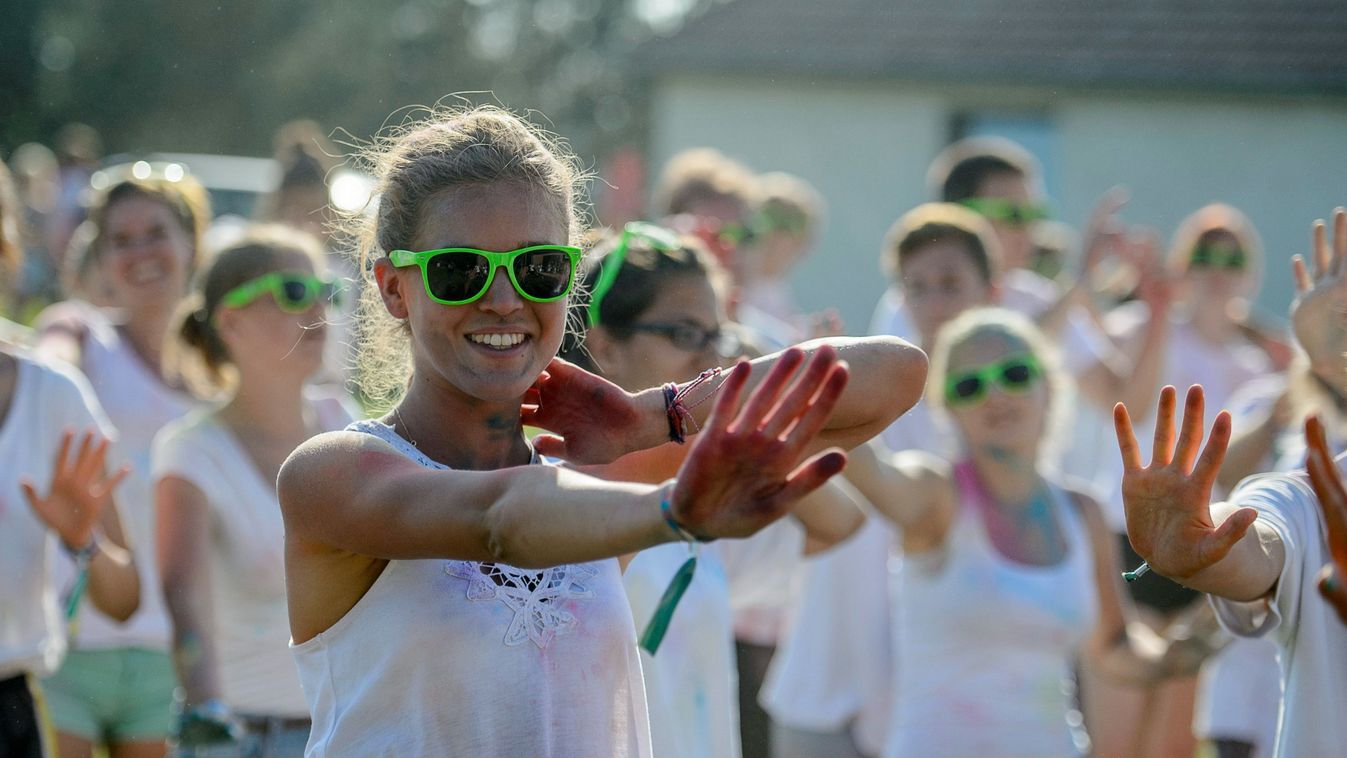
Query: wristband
point(666, 510)
point(83, 555)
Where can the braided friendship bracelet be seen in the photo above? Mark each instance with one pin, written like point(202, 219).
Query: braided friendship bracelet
point(679, 412)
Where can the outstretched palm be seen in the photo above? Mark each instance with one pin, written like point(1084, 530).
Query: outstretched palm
point(1319, 313)
point(1168, 503)
point(744, 469)
point(78, 492)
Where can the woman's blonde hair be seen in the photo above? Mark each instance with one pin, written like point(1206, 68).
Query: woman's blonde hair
point(1013, 328)
point(448, 148)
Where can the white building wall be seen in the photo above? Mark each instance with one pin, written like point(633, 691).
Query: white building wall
point(865, 149)
point(1284, 164)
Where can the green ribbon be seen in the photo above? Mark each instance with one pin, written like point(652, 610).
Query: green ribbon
point(659, 622)
point(72, 604)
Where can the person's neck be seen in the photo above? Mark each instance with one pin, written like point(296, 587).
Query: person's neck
point(459, 431)
point(269, 406)
point(1212, 323)
point(145, 331)
point(1010, 477)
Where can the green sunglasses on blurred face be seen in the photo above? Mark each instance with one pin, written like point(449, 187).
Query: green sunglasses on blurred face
point(1006, 211)
point(1014, 374)
point(1218, 256)
point(293, 292)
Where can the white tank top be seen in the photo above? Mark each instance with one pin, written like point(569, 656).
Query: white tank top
point(447, 657)
point(139, 404)
point(985, 644)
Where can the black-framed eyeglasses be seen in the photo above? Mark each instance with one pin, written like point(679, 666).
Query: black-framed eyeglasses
point(691, 337)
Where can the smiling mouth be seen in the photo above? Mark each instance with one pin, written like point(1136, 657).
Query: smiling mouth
point(498, 341)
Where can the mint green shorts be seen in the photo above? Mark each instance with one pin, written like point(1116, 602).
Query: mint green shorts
point(113, 696)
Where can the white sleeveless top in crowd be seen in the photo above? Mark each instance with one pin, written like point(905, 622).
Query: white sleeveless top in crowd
point(827, 676)
point(692, 683)
point(448, 657)
point(48, 398)
point(139, 404)
point(986, 644)
point(247, 555)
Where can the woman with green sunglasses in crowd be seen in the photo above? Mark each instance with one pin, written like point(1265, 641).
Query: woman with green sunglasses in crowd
point(448, 594)
point(252, 334)
point(1008, 573)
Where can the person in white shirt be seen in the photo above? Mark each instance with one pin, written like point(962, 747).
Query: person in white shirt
point(447, 597)
point(53, 488)
point(1007, 574)
point(116, 687)
point(661, 317)
point(255, 331)
point(1259, 553)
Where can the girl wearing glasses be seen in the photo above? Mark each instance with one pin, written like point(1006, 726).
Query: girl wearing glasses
point(116, 686)
point(255, 330)
point(655, 313)
point(445, 595)
point(1007, 574)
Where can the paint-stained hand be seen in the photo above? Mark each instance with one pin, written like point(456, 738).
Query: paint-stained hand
point(745, 469)
point(1327, 481)
point(1168, 503)
point(590, 420)
point(79, 489)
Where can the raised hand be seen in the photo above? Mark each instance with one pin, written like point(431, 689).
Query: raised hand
point(1105, 233)
point(79, 489)
point(1319, 312)
point(1168, 502)
point(743, 470)
point(592, 419)
point(1327, 484)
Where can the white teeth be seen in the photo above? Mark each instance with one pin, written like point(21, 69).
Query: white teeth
point(145, 271)
point(497, 340)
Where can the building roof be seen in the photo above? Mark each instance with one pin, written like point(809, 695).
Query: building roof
point(1274, 46)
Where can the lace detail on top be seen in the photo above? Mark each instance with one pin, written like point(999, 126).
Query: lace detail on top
point(536, 597)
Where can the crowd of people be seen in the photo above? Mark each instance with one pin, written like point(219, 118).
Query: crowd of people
point(467, 473)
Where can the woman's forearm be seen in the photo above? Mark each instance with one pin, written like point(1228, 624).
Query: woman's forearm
point(114, 585)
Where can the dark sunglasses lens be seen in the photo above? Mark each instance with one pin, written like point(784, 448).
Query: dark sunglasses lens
point(543, 274)
point(967, 388)
point(296, 294)
point(1236, 261)
point(689, 338)
point(1017, 374)
point(457, 276)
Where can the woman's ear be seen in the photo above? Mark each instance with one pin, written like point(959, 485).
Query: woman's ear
point(392, 288)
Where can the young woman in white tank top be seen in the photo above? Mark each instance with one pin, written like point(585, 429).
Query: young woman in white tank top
point(448, 598)
point(147, 240)
point(255, 332)
point(1006, 575)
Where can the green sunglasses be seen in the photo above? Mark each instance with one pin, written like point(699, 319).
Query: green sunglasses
point(460, 275)
point(1014, 374)
point(1006, 211)
point(1210, 256)
point(655, 236)
point(294, 293)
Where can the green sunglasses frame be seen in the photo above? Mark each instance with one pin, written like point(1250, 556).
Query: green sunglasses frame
point(274, 283)
point(997, 209)
point(992, 373)
point(1209, 257)
point(658, 237)
point(505, 260)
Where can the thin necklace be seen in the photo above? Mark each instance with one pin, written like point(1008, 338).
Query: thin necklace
point(407, 430)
